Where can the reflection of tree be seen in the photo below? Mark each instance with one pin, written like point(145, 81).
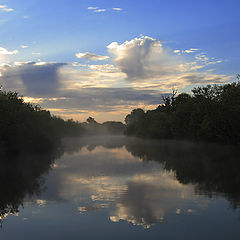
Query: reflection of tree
point(213, 169)
point(20, 177)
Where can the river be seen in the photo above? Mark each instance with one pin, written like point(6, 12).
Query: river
point(116, 187)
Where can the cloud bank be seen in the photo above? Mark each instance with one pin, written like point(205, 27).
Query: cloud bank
point(138, 73)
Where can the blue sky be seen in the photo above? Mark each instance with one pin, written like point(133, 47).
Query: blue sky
point(102, 58)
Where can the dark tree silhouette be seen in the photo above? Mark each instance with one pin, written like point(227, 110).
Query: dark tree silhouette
point(211, 113)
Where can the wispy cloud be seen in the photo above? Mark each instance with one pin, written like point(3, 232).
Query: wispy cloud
point(91, 56)
point(92, 8)
point(24, 46)
point(97, 9)
point(117, 9)
point(5, 8)
point(191, 50)
point(100, 10)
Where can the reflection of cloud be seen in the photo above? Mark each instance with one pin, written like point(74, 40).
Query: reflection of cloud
point(113, 178)
point(41, 202)
point(150, 197)
point(93, 207)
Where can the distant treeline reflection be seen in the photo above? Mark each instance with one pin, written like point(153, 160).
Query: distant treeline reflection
point(212, 168)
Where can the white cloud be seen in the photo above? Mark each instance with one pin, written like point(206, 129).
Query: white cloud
point(92, 8)
point(26, 17)
point(4, 51)
point(97, 9)
point(176, 51)
point(5, 8)
point(117, 9)
point(24, 46)
point(100, 10)
point(149, 64)
point(91, 56)
point(143, 58)
point(146, 63)
point(191, 50)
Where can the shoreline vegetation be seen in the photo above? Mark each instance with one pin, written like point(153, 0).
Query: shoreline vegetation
point(27, 128)
point(210, 113)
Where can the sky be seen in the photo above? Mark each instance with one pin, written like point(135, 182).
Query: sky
point(103, 58)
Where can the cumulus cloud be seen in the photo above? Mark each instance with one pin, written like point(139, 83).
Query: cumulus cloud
point(4, 51)
point(148, 64)
point(143, 58)
point(141, 70)
point(91, 56)
point(36, 77)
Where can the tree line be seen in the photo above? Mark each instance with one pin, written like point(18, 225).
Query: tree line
point(26, 127)
point(209, 113)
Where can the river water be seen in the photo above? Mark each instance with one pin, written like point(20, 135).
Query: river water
point(123, 188)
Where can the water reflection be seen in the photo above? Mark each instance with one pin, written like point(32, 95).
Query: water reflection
point(144, 194)
point(21, 178)
point(142, 182)
point(213, 169)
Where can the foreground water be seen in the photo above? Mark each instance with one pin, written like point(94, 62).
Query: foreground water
point(123, 188)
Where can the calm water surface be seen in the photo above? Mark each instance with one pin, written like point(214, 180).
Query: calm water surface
point(123, 188)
